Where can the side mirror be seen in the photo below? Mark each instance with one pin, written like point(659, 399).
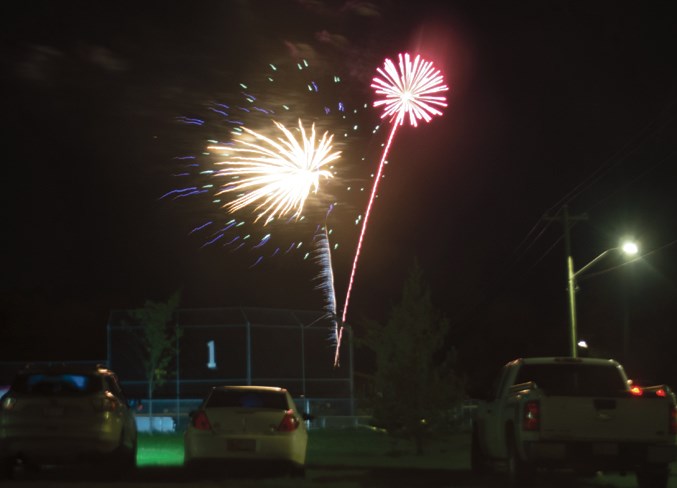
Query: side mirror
point(520, 387)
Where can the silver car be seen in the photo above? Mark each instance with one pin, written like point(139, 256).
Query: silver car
point(56, 415)
point(259, 426)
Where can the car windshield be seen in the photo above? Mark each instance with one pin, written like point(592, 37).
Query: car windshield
point(574, 379)
point(56, 384)
point(248, 399)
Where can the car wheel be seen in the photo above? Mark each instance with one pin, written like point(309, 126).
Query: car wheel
point(653, 476)
point(518, 471)
point(124, 458)
point(478, 460)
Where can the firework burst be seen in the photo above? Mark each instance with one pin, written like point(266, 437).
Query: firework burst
point(275, 175)
point(411, 90)
point(280, 92)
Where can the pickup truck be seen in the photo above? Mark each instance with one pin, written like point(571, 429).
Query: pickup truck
point(581, 415)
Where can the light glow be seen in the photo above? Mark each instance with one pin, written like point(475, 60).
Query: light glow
point(630, 248)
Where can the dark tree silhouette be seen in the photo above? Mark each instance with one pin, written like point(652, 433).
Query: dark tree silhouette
point(416, 387)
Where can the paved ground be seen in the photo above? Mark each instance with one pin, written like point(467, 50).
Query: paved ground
point(329, 477)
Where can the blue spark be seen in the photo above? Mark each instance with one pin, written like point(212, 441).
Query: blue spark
point(219, 112)
point(195, 192)
point(180, 190)
point(190, 121)
point(265, 239)
point(200, 227)
point(231, 241)
point(212, 241)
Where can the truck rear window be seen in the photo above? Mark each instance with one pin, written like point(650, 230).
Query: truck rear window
point(574, 379)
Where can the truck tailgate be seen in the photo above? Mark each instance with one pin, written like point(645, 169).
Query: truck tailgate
point(604, 419)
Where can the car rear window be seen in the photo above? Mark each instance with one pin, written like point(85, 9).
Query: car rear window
point(248, 399)
point(56, 384)
point(574, 379)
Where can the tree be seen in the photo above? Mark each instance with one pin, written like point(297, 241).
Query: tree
point(415, 385)
point(158, 336)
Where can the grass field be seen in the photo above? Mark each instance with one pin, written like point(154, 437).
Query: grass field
point(336, 447)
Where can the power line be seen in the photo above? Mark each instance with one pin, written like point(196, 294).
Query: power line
point(538, 230)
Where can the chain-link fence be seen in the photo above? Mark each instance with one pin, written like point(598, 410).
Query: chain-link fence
point(239, 346)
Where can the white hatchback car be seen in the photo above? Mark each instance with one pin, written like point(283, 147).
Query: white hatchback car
point(259, 424)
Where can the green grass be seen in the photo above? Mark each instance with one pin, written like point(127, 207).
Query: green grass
point(374, 448)
point(160, 450)
point(362, 447)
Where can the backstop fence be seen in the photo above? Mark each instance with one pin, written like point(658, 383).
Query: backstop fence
point(293, 349)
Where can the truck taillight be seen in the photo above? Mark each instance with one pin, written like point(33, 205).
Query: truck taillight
point(531, 420)
point(201, 421)
point(289, 422)
point(636, 391)
point(673, 420)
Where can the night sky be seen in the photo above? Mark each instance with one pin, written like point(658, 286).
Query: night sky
point(551, 103)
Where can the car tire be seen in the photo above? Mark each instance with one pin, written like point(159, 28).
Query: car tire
point(124, 458)
point(653, 476)
point(478, 460)
point(518, 471)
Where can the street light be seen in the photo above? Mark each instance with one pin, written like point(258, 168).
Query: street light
point(628, 248)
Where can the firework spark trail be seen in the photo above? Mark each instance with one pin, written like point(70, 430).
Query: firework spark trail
point(326, 278)
point(412, 90)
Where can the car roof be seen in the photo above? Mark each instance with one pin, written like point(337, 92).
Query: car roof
point(60, 368)
point(564, 360)
point(250, 388)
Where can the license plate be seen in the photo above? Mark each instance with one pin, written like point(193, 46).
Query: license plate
point(605, 449)
point(241, 444)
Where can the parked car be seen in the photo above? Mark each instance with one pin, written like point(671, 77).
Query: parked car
point(259, 424)
point(578, 414)
point(54, 415)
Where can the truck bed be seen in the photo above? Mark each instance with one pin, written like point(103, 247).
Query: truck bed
point(604, 419)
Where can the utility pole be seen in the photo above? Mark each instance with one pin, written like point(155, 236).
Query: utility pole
point(566, 219)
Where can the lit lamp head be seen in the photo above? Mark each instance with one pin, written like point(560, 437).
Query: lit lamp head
point(629, 248)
